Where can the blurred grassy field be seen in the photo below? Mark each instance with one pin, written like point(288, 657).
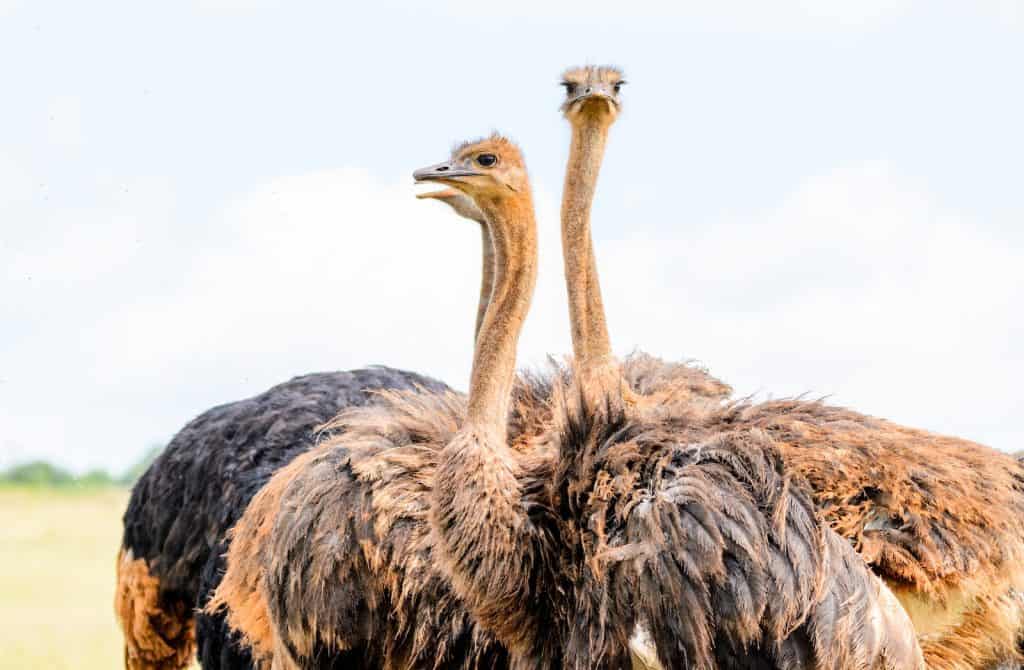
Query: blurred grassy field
point(57, 552)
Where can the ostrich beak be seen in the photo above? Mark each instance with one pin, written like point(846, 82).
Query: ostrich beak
point(443, 172)
point(599, 91)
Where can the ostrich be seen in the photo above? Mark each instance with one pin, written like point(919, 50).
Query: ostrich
point(333, 559)
point(940, 519)
point(552, 552)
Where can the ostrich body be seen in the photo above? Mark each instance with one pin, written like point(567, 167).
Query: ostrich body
point(940, 519)
point(182, 506)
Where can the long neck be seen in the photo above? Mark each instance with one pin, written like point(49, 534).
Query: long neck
point(514, 245)
point(590, 342)
point(486, 277)
point(485, 542)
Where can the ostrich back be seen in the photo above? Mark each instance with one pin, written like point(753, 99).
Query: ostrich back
point(941, 519)
point(185, 502)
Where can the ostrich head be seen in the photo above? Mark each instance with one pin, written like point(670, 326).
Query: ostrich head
point(592, 91)
point(485, 170)
point(460, 202)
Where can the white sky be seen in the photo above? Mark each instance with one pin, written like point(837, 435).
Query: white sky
point(200, 201)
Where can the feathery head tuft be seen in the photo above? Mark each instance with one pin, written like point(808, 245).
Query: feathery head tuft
point(495, 143)
point(592, 74)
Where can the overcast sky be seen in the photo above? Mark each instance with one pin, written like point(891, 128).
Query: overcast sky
point(200, 200)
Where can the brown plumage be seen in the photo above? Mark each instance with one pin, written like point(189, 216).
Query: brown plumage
point(339, 540)
point(158, 635)
point(351, 562)
point(939, 518)
point(695, 532)
point(927, 510)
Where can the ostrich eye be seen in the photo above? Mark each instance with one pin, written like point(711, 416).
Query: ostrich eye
point(570, 88)
point(487, 160)
point(618, 86)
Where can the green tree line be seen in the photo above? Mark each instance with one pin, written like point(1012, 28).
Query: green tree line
point(43, 473)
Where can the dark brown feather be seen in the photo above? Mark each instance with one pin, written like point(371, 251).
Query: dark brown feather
point(666, 519)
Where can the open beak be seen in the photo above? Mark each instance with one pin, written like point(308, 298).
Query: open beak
point(443, 194)
point(443, 171)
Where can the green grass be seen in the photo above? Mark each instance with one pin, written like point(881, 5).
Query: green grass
point(57, 554)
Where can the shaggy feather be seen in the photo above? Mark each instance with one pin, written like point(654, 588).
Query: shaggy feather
point(158, 634)
point(923, 509)
point(940, 519)
point(346, 564)
point(697, 531)
point(713, 550)
point(182, 506)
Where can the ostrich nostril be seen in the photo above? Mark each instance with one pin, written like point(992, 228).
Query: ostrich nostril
point(443, 168)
